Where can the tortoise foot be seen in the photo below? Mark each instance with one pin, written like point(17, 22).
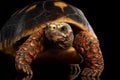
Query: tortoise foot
point(24, 68)
point(74, 71)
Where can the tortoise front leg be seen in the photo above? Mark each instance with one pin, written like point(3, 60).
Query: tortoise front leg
point(88, 46)
point(28, 52)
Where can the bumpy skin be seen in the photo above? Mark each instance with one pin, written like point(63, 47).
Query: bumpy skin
point(86, 44)
point(89, 48)
point(28, 52)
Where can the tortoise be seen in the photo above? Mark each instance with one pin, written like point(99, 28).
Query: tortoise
point(53, 30)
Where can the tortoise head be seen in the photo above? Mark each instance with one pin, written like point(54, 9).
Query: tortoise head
point(60, 33)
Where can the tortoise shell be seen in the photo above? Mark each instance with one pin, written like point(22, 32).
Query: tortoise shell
point(34, 17)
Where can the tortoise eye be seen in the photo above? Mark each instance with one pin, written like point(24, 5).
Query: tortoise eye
point(63, 28)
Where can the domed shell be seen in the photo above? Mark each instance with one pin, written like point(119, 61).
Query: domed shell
point(35, 16)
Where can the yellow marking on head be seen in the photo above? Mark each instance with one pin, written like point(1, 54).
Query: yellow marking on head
point(52, 26)
point(61, 5)
point(31, 8)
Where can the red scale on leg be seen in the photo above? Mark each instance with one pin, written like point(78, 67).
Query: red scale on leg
point(93, 61)
point(87, 48)
point(19, 59)
point(31, 53)
point(95, 50)
point(28, 51)
point(82, 50)
point(32, 44)
point(37, 51)
point(27, 58)
point(89, 55)
point(24, 48)
point(86, 44)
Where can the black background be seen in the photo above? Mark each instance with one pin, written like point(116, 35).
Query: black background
point(100, 15)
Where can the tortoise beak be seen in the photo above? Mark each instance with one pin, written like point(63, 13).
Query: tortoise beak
point(58, 36)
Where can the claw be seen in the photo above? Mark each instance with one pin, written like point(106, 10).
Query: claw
point(29, 77)
point(90, 72)
point(74, 71)
point(24, 68)
point(29, 71)
point(19, 67)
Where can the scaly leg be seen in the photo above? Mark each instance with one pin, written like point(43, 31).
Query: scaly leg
point(88, 46)
point(28, 52)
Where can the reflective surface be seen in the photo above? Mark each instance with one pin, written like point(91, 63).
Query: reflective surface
point(42, 71)
point(80, 78)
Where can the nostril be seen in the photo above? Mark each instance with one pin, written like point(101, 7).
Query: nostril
point(54, 27)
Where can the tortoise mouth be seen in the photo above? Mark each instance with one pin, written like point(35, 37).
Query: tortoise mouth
point(65, 42)
point(58, 38)
point(61, 41)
